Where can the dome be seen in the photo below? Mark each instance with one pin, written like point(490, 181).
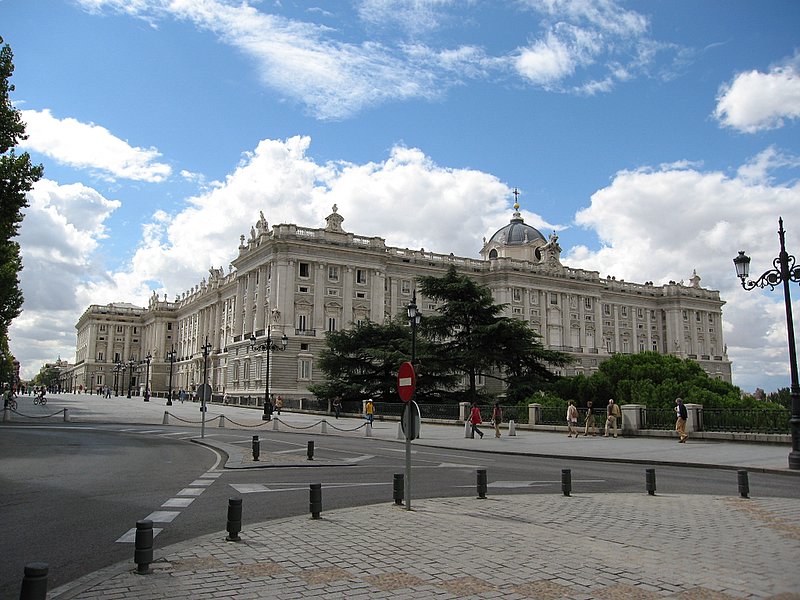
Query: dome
point(516, 233)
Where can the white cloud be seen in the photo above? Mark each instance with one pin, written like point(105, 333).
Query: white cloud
point(58, 239)
point(414, 16)
point(756, 101)
point(661, 224)
point(546, 61)
point(90, 146)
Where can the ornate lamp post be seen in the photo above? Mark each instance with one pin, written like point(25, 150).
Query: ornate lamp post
point(269, 346)
point(147, 360)
point(119, 368)
point(784, 271)
point(414, 317)
point(205, 392)
point(131, 366)
point(171, 358)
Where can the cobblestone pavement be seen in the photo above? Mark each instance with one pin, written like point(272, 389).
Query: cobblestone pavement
point(607, 546)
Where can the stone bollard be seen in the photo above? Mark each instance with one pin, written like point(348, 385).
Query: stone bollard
point(512, 428)
point(256, 448)
point(34, 582)
point(6, 414)
point(165, 421)
point(744, 484)
point(275, 424)
point(315, 500)
point(143, 546)
point(368, 429)
point(399, 486)
point(650, 481)
point(566, 481)
point(310, 450)
point(66, 415)
point(482, 483)
point(400, 434)
point(234, 524)
point(324, 426)
point(467, 429)
point(222, 421)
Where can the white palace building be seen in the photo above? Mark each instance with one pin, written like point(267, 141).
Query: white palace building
point(301, 282)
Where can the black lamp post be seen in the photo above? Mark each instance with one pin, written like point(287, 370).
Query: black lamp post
point(147, 360)
point(269, 346)
point(784, 271)
point(205, 393)
point(414, 317)
point(131, 365)
point(118, 369)
point(171, 358)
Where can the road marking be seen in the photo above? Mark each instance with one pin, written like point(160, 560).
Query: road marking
point(129, 537)
point(254, 488)
point(205, 482)
point(177, 503)
point(527, 484)
point(163, 516)
point(456, 466)
point(356, 459)
point(190, 491)
point(150, 431)
point(211, 475)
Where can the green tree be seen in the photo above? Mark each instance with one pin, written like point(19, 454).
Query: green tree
point(474, 340)
point(17, 176)
point(47, 376)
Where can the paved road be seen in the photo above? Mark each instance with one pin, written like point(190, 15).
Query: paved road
point(588, 545)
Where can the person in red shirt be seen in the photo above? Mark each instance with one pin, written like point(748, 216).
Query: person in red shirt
point(475, 420)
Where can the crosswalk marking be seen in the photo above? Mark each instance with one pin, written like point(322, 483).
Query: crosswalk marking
point(163, 516)
point(129, 537)
point(177, 502)
point(190, 491)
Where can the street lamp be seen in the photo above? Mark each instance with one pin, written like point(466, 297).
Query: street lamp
point(171, 358)
point(147, 360)
point(118, 369)
point(414, 317)
point(205, 393)
point(131, 365)
point(269, 346)
point(784, 271)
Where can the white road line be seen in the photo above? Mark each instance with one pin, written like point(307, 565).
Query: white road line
point(356, 459)
point(201, 482)
point(253, 488)
point(163, 516)
point(196, 491)
point(150, 431)
point(211, 475)
point(129, 537)
point(177, 503)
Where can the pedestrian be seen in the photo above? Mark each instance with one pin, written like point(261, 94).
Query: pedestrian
point(475, 420)
point(572, 419)
point(225, 398)
point(337, 406)
point(369, 409)
point(612, 413)
point(279, 404)
point(270, 406)
point(589, 422)
point(680, 423)
point(182, 395)
point(497, 418)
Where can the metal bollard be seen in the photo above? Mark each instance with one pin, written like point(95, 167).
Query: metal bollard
point(744, 484)
point(256, 447)
point(234, 525)
point(399, 486)
point(481, 483)
point(143, 546)
point(315, 500)
point(650, 481)
point(34, 582)
point(310, 450)
point(566, 481)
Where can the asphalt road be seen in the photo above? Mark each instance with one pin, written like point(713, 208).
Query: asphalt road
point(70, 493)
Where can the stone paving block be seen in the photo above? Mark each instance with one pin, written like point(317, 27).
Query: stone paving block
point(699, 593)
point(543, 590)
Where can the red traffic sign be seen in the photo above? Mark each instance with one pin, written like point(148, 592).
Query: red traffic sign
point(406, 381)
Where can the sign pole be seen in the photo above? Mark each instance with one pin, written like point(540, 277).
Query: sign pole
point(406, 385)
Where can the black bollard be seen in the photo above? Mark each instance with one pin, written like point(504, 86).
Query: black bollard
point(310, 450)
point(234, 525)
point(744, 484)
point(399, 486)
point(34, 582)
point(650, 481)
point(481, 483)
point(315, 500)
point(256, 448)
point(566, 481)
point(143, 546)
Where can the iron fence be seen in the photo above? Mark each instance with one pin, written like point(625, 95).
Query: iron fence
point(745, 420)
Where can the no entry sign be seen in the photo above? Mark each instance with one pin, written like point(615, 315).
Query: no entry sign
point(406, 381)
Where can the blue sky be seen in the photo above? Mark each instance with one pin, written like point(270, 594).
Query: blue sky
point(657, 138)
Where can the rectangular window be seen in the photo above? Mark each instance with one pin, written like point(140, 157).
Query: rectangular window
point(405, 286)
point(333, 273)
point(119, 328)
point(710, 319)
point(361, 294)
point(303, 289)
point(516, 294)
point(607, 310)
point(305, 270)
point(169, 326)
point(697, 317)
point(655, 346)
point(517, 310)
point(102, 327)
point(304, 369)
point(302, 323)
point(135, 330)
point(332, 292)
point(331, 323)
point(587, 303)
point(640, 313)
point(361, 276)
point(624, 311)
point(100, 356)
point(553, 298)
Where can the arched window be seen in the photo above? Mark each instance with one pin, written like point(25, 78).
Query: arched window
point(492, 253)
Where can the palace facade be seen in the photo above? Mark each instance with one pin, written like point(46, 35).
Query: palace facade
point(301, 282)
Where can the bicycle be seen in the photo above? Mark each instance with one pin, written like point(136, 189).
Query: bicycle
point(11, 403)
point(40, 400)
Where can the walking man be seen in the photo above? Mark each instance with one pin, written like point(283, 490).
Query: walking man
point(680, 423)
point(497, 417)
point(589, 423)
point(612, 413)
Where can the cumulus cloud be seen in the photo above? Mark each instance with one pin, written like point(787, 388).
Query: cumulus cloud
point(90, 146)
point(756, 101)
point(683, 219)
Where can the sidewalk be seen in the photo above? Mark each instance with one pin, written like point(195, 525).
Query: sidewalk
point(510, 546)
